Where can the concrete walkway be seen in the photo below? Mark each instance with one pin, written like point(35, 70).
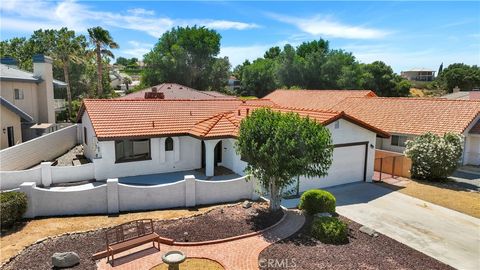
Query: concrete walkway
point(446, 235)
point(238, 254)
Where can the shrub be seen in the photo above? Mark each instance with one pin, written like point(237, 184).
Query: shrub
point(330, 230)
point(12, 207)
point(317, 201)
point(434, 157)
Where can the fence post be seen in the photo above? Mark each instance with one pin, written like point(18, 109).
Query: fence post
point(46, 173)
point(112, 196)
point(190, 190)
point(29, 189)
point(393, 167)
point(381, 168)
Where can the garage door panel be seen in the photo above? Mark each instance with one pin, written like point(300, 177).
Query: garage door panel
point(347, 167)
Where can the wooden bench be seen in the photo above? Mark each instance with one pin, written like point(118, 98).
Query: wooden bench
point(129, 235)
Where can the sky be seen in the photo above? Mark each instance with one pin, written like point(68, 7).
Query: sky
point(404, 35)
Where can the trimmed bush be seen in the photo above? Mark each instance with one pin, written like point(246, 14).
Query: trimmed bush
point(12, 207)
point(317, 201)
point(330, 230)
point(434, 157)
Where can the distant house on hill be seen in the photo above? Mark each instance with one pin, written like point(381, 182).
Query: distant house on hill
point(419, 74)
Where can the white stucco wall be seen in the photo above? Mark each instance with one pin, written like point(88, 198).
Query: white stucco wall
point(13, 179)
point(472, 149)
point(230, 159)
point(348, 162)
point(209, 192)
point(65, 174)
point(46, 147)
point(386, 143)
point(188, 152)
point(89, 148)
point(133, 198)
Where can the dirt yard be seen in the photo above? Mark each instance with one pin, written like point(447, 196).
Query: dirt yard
point(29, 232)
point(458, 199)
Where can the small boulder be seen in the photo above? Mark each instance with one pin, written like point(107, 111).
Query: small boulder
point(323, 215)
point(369, 231)
point(65, 259)
point(247, 204)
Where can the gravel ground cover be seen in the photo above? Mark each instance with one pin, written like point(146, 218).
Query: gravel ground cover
point(300, 251)
point(218, 223)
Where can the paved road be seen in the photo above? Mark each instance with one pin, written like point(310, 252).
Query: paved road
point(467, 180)
point(447, 235)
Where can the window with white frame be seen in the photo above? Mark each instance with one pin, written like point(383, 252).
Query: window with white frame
point(398, 140)
point(132, 150)
point(18, 94)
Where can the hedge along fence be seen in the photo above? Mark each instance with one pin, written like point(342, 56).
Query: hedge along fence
point(393, 163)
point(46, 147)
point(112, 198)
point(46, 174)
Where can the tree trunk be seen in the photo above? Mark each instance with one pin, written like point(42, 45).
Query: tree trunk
point(275, 197)
point(126, 85)
point(99, 72)
point(69, 91)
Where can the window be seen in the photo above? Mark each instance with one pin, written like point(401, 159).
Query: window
point(85, 135)
point(11, 136)
point(169, 144)
point(132, 150)
point(399, 140)
point(337, 124)
point(18, 94)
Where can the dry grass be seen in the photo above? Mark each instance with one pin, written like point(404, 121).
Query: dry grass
point(461, 200)
point(14, 241)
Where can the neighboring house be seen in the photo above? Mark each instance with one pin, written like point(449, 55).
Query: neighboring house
point(12, 118)
point(176, 91)
point(32, 93)
point(403, 118)
point(314, 99)
point(419, 74)
point(137, 137)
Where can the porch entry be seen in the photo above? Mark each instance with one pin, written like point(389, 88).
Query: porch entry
point(217, 154)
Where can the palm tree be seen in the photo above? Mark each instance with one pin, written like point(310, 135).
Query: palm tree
point(102, 42)
point(68, 48)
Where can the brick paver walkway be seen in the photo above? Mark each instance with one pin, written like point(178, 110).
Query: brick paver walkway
point(238, 254)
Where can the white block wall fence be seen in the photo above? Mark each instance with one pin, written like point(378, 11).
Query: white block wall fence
point(46, 175)
point(112, 197)
point(46, 147)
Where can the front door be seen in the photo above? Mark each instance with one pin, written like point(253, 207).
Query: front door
point(10, 136)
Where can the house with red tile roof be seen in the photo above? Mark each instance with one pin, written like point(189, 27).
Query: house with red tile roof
point(403, 118)
point(175, 91)
point(129, 137)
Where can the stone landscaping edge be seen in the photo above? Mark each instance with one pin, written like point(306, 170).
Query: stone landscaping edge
point(166, 240)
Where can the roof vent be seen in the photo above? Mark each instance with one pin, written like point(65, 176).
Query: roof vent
point(154, 95)
point(154, 89)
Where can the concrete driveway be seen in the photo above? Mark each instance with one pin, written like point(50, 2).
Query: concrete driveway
point(449, 236)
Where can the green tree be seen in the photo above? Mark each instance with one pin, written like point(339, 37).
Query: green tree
point(380, 78)
point(464, 76)
point(280, 146)
point(259, 78)
point(219, 72)
point(272, 53)
point(127, 81)
point(122, 61)
point(68, 48)
point(102, 42)
point(183, 55)
point(290, 67)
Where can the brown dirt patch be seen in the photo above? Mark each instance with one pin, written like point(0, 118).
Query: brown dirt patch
point(443, 194)
point(27, 233)
point(300, 251)
point(220, 222)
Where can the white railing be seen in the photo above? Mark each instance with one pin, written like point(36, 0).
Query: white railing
point(112, 197)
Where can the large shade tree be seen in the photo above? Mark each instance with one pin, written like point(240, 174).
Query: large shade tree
point(280, 146)
point(102, 42)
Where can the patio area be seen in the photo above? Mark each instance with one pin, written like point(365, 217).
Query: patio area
point(221, 173)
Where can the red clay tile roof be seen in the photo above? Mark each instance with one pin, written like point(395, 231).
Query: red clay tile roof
point(314, 99)
point(413, 115)
point(178, 91)
point(120, 118)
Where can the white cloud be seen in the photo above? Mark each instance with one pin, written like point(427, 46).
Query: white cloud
point(31, 15)
point(238, 54)
point(137, 49)
point(326, 26)
point(140, 11)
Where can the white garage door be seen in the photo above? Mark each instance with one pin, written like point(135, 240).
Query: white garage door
point(347, 167)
